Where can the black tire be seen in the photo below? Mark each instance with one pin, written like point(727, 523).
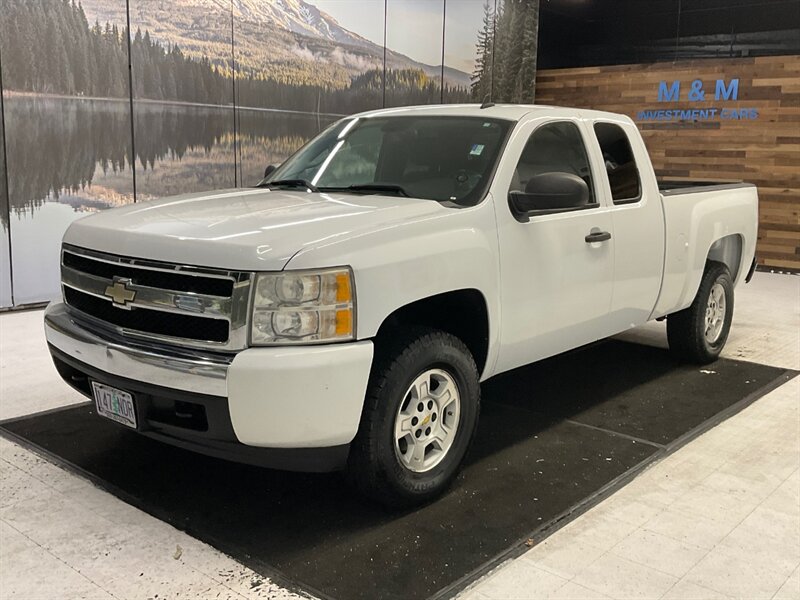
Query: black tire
point(686, 330)
point(373, 465)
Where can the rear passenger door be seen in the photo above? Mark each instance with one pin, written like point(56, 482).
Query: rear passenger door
point(556, 280)
point(629, 185)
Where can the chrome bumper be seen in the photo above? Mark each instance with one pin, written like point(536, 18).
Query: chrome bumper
point(204, 375)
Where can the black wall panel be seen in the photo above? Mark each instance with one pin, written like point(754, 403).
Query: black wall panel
point(597, 33)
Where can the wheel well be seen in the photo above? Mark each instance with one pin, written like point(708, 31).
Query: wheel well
point(462, 313)
point(728, 251)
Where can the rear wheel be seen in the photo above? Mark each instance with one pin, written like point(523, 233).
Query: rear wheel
point(698, 333)
point(420, 415)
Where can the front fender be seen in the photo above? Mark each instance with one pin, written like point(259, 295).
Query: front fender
point(400, 264)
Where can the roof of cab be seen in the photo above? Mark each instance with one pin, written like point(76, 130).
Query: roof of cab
point(512, 112)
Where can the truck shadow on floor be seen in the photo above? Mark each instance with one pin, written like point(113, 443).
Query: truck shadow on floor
point(551, 435)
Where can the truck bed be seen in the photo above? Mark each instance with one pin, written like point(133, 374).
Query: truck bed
point(698, 214)
point(673, 187)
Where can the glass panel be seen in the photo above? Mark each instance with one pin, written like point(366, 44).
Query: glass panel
point(448, 159)
point(467, 40)
point(268, 138)
point(514, 51)
point(553, 148)
point(5, 259)
point(183, 97)
point(414, 52)
point(299, 67)
point(5, 268)
point(623, 174)
point(67, 126)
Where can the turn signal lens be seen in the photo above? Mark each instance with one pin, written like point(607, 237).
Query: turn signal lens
point(303, 307)
point(343, 290)
point(344, 321)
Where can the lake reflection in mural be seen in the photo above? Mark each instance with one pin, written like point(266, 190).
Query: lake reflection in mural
point(69, 157)
point(66, 158)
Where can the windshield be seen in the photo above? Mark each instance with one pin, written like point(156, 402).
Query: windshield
point(437, 158)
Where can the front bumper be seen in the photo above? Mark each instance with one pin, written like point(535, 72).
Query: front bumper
point(298, 398)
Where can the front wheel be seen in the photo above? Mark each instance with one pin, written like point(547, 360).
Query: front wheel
point(420, 415)
point(698, 333)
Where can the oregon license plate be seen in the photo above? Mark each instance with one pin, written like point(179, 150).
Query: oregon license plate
point(114, 404)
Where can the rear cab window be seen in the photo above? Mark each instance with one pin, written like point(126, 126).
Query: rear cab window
point(621, 167)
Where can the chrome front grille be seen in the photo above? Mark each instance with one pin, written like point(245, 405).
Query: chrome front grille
point(162, 302)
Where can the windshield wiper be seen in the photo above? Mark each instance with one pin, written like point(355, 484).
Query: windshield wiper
point(371, 187)
point(296, 183)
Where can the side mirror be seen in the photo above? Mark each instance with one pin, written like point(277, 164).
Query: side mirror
point(550, 192)
point(268, 171)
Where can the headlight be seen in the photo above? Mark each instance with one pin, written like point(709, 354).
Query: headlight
point(303, 307)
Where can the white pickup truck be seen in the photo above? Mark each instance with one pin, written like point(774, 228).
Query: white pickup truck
point(342, 314)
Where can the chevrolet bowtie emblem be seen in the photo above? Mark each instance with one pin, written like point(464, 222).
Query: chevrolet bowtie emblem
point(119, 292)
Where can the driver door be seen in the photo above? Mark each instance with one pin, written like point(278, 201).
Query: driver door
point(556, 282)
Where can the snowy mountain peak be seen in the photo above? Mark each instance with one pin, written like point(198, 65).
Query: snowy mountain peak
point(298, 17)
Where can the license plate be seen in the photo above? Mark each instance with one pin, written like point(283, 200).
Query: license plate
point(114, 404)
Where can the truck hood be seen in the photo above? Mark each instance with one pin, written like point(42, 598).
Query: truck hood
point(241, 229)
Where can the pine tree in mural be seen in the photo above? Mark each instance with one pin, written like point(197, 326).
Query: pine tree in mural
point(507, 47)
point(68, 58)
point(482, 75)
point(527, 28)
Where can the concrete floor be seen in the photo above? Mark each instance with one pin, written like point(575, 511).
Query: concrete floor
point(720, 518)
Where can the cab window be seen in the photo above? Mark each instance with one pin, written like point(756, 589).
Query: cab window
point(554, 149)
point(442, 158)
point(623, 174)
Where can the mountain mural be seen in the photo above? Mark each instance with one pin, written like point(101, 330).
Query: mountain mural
point(289, 41)
point(218, 90)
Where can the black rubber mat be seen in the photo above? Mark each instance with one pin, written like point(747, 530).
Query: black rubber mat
point(554, 438)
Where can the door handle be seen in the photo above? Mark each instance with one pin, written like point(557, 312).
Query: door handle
point(597, 236)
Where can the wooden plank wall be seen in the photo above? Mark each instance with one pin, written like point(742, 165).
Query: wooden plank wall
point(765, 151)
